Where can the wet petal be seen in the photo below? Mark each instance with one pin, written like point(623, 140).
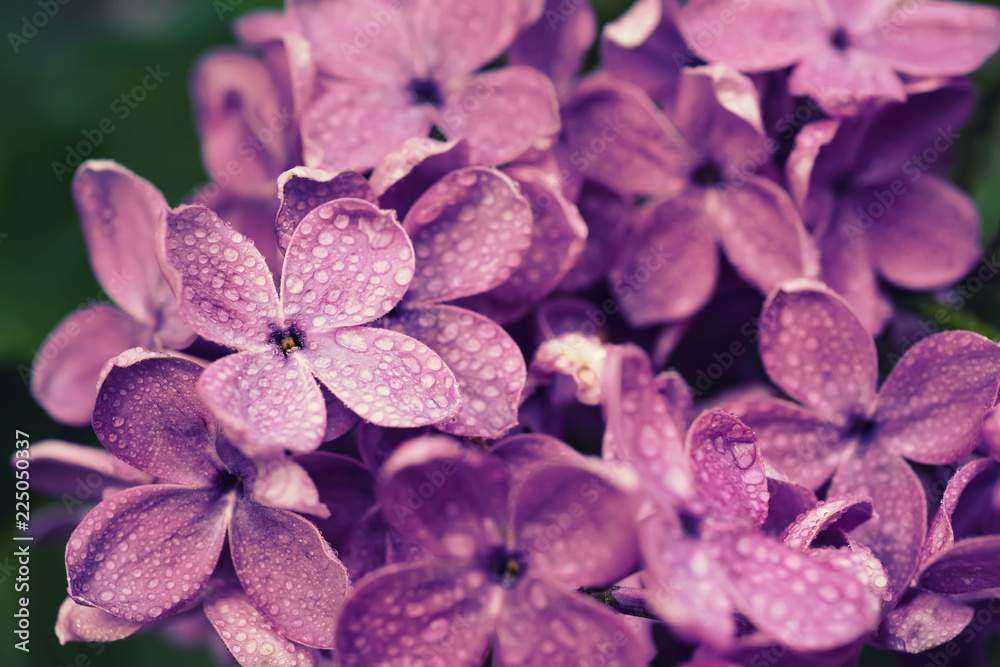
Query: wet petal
point(344, 486)
point(924, 621)
point(148, 551)
point(970, 565)
point(289, 572)
point(386, 377)
point(77, 623)
point(302, 189)
point(59, 468)
point(348, 262)
point(269, 402)
point(470, 232)
point(809, 142)
point(815, 349)
point(845, 83)
point(786, 502)
point(577, 523)
point(728, 472)
point(941, 535)
point(405, 173)
point(376, 443)
point(249, 636)
point(524, 453)
point(457, 37)
point(65, 371)
point(282, 483)
point(541, 625)
point(932, 405)
point(556, 43)
point(843, 512)
point(448, 500)
point(223, 284)
point(486, 362)
point(440, 614)
point(149, 415)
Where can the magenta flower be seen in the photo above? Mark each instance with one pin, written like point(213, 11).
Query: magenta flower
point(148, 552)
point(930, 410)
point(346, 264)
point(848, 55)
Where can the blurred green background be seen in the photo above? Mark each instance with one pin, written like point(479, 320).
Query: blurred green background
point(61, 83)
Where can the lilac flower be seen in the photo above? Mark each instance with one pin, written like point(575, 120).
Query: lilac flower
point(347, 263)
point(930, 409)
point(503, 571)
point(847, 55)
point(871, 189)
point(695, 167)
point(386, 74)
point(556, 43)
point(148, 552)
point(118, 212)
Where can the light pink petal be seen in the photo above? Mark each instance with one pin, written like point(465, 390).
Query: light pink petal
point(920, 39)
point(763, 235)
point(457, 37)
point(120, 214)
point(354, 124)
point(718, 109)
point(845, 83)
point(146, 552)
point(59, 468)
point(289, 572)
point(941, 535)
point(541, 625)
point(859, 561)
point(809, 141)
point(843, 512)
point(386, 377)
point(455, 614)
point(577, 527)
point(348, 262)
point(556, 44)
point(77, 623)
point(282, 483)
point(405, 173)
point(896, 532)
point(270, 403)
point(249, 636)
point(302, 189)
point(667, 268)
point(223, 284)
point(771, 34)
point(65, 371)
point(815, 349)
point(933, 225)
point(924, 621)
point(486, 361)
point(470, 232)
point(932, 405)
point(806, 605)
point(448, 500)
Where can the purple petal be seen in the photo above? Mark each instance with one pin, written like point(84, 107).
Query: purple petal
point(577, 527)
point(282, 483)
point(458, 37)
point(65, 371)
point(386, 377)
point(815, 349)
point(719, 108)
point(302, 189)
point(376, 444)
point(149, 415)
point(845, 83)
point(924, 621)
point(970, 565)
point(404, 174)
point(373, 544)
point(787, 500)
point(339, 418)
point(525, 453)
point(345, 486)
point(679, 397)
point(147, 551)
point(809, 142)
point(635, 46)
point(348, 262)
point(119, 214)
point(896, 532)
point(223, 284)
point(249, 636)
point(556, 43)
point(59, 468)
point(941, 535)
point(268, 402)
point(793, 440)
point(932, 405)
point(448, 500)
point(289, 572)
point(728, 472)
point(668, 267)
point(806, 605)
point(77, 623)
point(843, 512)
point(541, 624)
point(502, 113)
point(470, 232)
point(440, 614)
point(486, 362)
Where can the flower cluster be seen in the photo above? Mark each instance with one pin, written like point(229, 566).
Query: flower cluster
point(391, 392)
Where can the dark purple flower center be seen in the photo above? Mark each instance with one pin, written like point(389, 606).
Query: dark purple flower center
point(690, 525)
point(839, 39)
point(426, 91)
point(842, 185)
point(232, 101)
point(287, 339)
point(227, 481)
point(861, 428)
point(707, 174)
point(505, 567)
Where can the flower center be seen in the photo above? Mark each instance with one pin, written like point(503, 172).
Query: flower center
point(707, 175)
point(425, 91)
point(505, 567)
point(287, 339)
point(861, 428)
point(690, 525)
point(839, 39)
